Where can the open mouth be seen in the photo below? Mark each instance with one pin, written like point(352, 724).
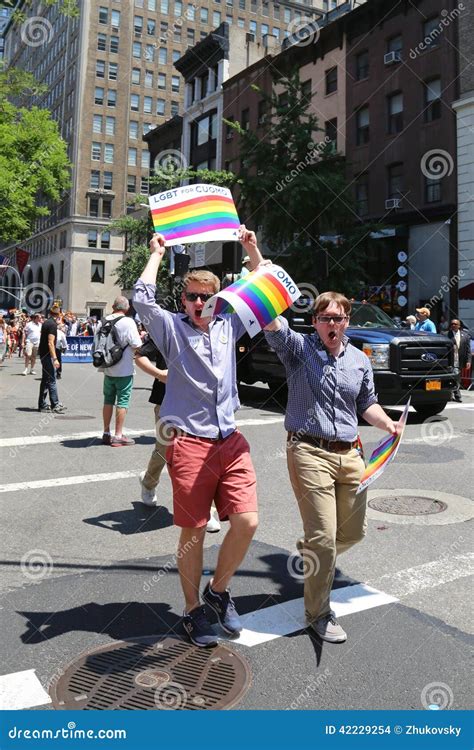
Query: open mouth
point(198, 313)
point(332, 335)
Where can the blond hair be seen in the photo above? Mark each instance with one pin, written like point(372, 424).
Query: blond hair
point(206, 278)
point(322, 302)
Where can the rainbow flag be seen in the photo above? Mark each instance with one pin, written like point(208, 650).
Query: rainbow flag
point(257, 298)
point(383, 454)
point(195, 213)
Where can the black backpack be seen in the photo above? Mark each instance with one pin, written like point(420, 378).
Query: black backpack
point(106, 350)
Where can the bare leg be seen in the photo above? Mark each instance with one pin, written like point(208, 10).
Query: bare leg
point(190, 564)
point(120, 414)
point(234, 547)
point(107, 412)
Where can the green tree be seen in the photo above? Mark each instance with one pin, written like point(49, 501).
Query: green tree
point(292, 182)
point(34, 167)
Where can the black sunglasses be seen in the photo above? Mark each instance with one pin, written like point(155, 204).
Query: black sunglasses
point(328, 318)
point(194, 296)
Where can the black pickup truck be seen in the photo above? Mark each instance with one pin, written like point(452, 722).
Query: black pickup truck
point(405, 363)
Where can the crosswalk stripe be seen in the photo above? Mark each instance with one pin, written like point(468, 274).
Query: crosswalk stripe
point(34, 439)
point(20, 690)
point(60, 481)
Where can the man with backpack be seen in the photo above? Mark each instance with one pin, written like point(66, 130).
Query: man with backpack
point(115, 343)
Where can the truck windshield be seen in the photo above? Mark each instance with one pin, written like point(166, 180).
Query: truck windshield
point(369, 316)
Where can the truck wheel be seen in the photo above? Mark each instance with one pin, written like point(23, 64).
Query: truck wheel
point(430, 410)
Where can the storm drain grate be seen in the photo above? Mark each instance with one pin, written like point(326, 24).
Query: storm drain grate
point(150, 675)
point(407, 505)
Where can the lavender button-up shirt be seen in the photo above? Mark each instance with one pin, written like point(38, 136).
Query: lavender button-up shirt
point(201, 390)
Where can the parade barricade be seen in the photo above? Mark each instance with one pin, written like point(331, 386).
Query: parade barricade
point(79, 349)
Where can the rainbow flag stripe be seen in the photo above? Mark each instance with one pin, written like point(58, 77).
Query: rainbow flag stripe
point(208, 213)
point(381, 455)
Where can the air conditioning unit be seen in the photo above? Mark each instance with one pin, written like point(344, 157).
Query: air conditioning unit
point(392, 57)
point(229, 136)
point(138, 34)
point(392, 203)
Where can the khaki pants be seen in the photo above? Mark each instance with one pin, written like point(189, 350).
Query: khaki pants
point(158, 457)
point(333, 515)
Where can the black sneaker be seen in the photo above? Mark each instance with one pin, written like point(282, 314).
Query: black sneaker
point(198, 628)
point(224, 607)
point(43, 409)
point(59, 409)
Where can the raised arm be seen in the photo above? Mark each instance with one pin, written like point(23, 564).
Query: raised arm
point(157, 250)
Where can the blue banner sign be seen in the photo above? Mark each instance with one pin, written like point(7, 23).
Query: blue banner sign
point(79, 349)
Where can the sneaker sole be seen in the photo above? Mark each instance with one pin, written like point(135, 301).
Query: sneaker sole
point(229, 632)
point(213, 644)
point(327, 639)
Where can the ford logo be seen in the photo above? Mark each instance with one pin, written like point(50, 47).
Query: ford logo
point(429, 357)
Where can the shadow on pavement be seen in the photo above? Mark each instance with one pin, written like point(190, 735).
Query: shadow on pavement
point(141, 519)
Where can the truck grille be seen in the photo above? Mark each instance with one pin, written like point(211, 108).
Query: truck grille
point(423, 357)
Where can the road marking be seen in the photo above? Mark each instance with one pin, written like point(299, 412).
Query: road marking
point(42, 439)
point(282, 619)
point(60, 481)
point(21, 690)
point(429, 575)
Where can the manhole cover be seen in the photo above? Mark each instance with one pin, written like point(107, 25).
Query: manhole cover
point(74, 416)
point(150, 675)
point(407, 505)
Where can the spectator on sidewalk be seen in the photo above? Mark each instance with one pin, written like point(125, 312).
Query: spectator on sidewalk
point(118, 379)
point(423, 322)
point(462, 353)
point(330, 382)
point(208, 458)
point(49, 363)
point(31, 339)
point(61, 347)
point(150, 478)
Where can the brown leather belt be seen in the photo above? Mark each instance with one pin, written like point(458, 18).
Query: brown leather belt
point(181, 433)
point(332, 446)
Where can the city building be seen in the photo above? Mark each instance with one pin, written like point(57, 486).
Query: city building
point(111, 78)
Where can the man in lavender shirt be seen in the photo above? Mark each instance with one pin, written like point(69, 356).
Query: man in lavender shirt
point(208, 458)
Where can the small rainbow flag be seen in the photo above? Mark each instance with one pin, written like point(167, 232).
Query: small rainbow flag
point(194, 213)
point(383, 454)
point(257, 298)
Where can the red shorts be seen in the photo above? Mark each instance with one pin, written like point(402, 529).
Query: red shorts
point(202, 470)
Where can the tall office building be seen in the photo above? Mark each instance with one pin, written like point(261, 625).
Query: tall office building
point(111, 78)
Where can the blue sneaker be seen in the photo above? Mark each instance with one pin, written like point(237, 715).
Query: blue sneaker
point(198, 628)
point(224, 607)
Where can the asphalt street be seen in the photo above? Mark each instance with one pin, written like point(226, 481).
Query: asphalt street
point(80, 555)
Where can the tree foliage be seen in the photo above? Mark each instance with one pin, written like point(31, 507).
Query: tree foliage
point(293, 184)
point(34, 167)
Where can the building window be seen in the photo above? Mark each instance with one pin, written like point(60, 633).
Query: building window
point(190, 37)
point(161, 80)
point(160, 106)
point(306, 88)
point(111, 98)
point(362, 65)
point(164, 6)
point(262, 111)
point(98, 95)
point(134, 102)
point(114, 44)
point(395, 44)
point(204, 15)
point(191, 12)
point(174, 108)
point(204, 84)
point(144, 187)
point(108, 180)
point(61, 271)
point(131, 183)
point(100, 69)
point(216, 18)
point(103, 15)
point(433, 190)
point(96, 151)
point(176, 55)
point(93, 206)
point(147, 105)
point(109, 153)
point(362, 195)
point(110, 125)
point(431, 32)
point(178, 8)
point(331, 80)
point(264, 29)
point(152, 5)
point(115, 18)
point(241, 23)
point(113, 71)
point(107, 208)
point(97, 124)
point(149, 79)
point(105, 240)
point(150, 52)
point(135, 75)
point(98, 271)
point(151, 27)
point(253, 28)
point(163, 55)
point(102, 42)
point(395, 113)
point(137, 49)
point(330, 129)
point(92, 238)
point(432, 99)
point(138, 24)
point(362, 126)
point(395, 180)
point(145, 159)
point(245, 119)
point(133, 129)
point(132, 157)
point(95, 179)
